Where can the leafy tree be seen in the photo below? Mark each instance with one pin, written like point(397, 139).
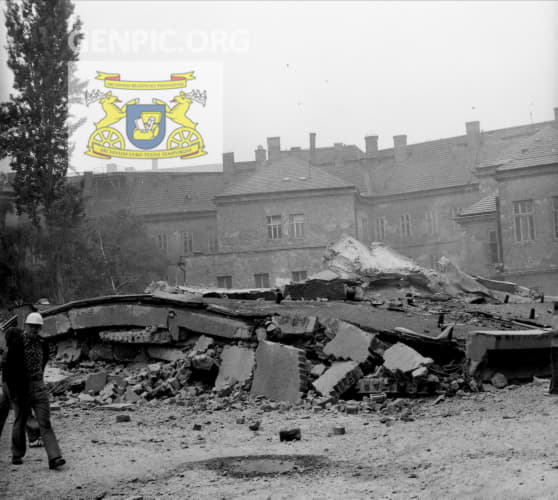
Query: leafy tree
point(127, 259)
point(34, 126)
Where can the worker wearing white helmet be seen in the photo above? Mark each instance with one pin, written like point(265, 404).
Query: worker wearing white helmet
point(34, 352)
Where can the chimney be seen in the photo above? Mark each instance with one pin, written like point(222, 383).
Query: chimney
point(400, 148)
point(473, 134)
point(274, 147)
point(154, 164)
point(261, 155)
point(338, 147)
point(228, 163)
point(312, 148)
point(112, 167)
point(371, 142)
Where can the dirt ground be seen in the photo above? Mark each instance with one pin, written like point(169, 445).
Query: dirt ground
point(493, 445)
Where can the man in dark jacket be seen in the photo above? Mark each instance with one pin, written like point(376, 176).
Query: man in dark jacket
point(32, 426)
point(27, 357)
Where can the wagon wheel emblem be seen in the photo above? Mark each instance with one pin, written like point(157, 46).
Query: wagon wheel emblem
point(184, 137)
point(106, 137)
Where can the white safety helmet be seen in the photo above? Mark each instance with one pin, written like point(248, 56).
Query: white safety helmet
point(34, 319)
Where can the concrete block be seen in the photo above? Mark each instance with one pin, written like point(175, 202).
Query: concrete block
point(169, 354)
point(318, 370)
point(202, 362)
point(340, 377)
point(295, 325)
point(59, 324)
point(68, 351)
point(202, 344)
point(96, 382)
point(350, 342)
point(237, 364)
point(208, 324)
point(280, 372)
point(401, 357)
point(130, 396)
point(114, 315)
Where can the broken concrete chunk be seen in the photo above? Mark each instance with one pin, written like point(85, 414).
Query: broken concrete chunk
point(401, 357)
point(68, 351)
point(349, 342)
point(237, 364)
point(202, 362)
point(318, 369)
point(340, 377)
point(295, 325)
point(420, 372)
point(280, 372)
point(169, 354)
point(499, 380)
point(96, 382)
point(202, 344)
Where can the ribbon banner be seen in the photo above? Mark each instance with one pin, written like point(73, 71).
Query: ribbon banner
point(99, 151)
point(177, 81)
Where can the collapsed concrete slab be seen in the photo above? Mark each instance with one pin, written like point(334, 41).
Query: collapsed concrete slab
point(516, 354)
point(340, 377)
point(118, 315)
point(402, 358)
point(280, 372)
point(237, 364)
point(59, 324)
point(208, 324)
point(349, 341)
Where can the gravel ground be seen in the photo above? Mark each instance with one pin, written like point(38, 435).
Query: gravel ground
point(495, 445)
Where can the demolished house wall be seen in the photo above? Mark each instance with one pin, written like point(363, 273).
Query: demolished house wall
point(478, 256)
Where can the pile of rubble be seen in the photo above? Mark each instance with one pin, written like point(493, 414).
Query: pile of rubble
point(407, 340)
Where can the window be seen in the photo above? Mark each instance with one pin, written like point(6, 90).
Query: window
point(365, 233)
point(212, 245)
point(524, 220)
point(224, 281)
point(274, 231)
point(380, 230)
point(493, 247)
point(163, 242)
point(555, 211)
point(296, 225)
point(261, 280)
point(299, 276)
point(405, 225)
point(430, 218)
point(188, 242)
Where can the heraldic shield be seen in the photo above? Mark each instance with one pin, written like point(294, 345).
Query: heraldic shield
point(145, 124)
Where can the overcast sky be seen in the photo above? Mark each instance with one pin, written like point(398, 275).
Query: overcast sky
point(343, 69)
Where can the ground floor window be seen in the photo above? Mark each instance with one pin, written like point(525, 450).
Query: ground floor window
point(224, 281)
point(299, 275)
point(261, 280)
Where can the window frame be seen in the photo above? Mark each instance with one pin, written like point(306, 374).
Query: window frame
point(261, 280)
point(274, 227)
point(228, 281)
point(524, 221)
point(380, 223)
point(302, 276)
point(188, 237)
point(296, 228)
point(405, 225)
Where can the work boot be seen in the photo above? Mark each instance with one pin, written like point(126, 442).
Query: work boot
point(17, 460)
point(56, 462)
